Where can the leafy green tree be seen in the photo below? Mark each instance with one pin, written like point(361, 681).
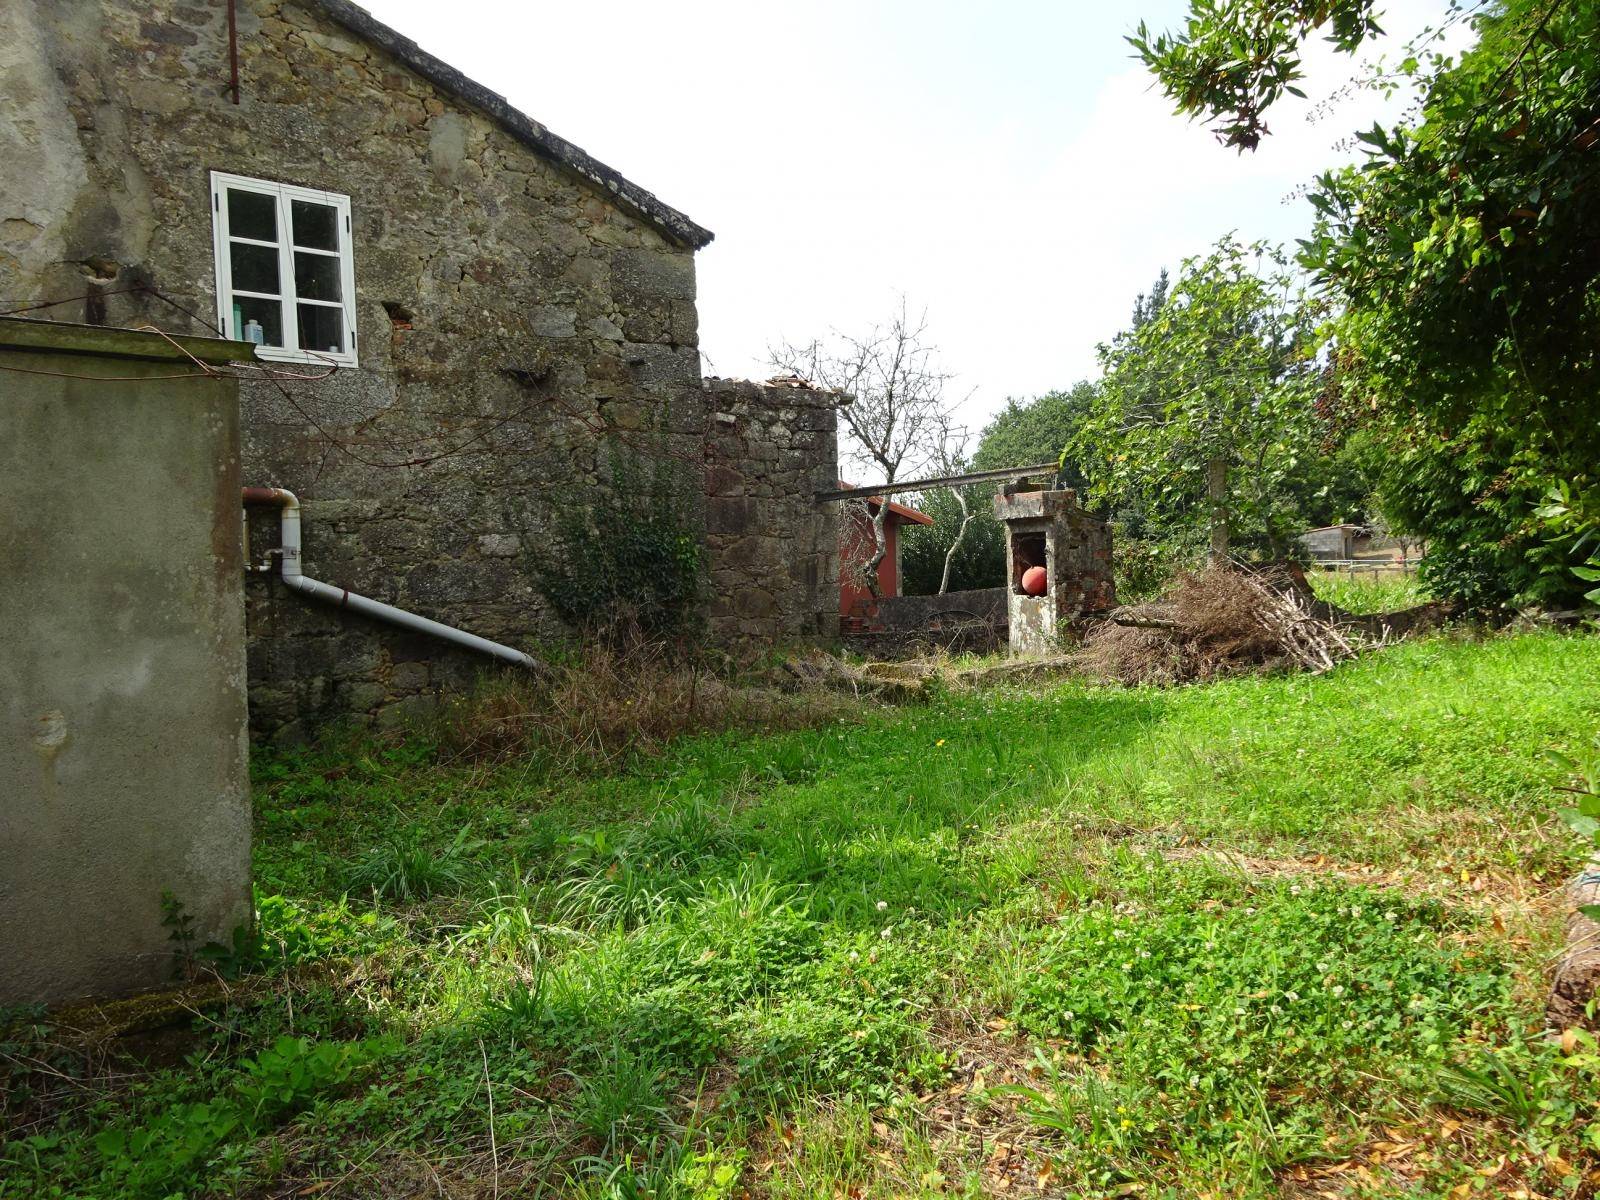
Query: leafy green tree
point(1025, 432)
point(980, 560)
point(1145, 307)
point(1463, 257)
point(1206, 407)
point(1235, 58)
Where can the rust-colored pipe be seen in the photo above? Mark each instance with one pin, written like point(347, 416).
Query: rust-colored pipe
point(233, 50)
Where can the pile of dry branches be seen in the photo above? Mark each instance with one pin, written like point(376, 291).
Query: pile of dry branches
point(1219, 621)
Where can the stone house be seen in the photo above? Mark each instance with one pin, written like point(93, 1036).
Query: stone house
point(462, 320)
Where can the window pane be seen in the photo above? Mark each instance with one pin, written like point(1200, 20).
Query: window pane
point(268, 314)
point(316, 277)
point(315, 225)
point(321, 328)
point(255, 268)
point(252, 215)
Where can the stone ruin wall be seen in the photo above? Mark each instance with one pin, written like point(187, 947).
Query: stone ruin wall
point(1049, 529)
point(773, 551)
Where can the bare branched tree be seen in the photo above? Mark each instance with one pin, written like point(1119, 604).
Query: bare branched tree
point(896, 420)
point(950, 458)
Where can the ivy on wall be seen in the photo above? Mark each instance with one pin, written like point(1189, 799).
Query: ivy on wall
point(625, 555)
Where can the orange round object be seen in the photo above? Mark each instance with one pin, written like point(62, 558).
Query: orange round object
point(1034, 581)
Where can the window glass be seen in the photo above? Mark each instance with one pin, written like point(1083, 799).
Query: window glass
point(266, 313)
point(252, 215)
point(316, 276)
point(321, 328)
point(316, 226)
point(255, 268)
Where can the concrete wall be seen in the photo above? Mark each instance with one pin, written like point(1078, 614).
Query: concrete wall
point(122, 685)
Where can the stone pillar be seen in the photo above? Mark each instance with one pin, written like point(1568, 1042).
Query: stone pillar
point(772, 551)
point(1048, 529)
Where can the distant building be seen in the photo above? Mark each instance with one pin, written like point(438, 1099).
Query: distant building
point(1330, 542)
point(856, 546)
point(1358, 543)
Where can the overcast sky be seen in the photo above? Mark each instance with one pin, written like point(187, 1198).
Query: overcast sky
point(1007, 166)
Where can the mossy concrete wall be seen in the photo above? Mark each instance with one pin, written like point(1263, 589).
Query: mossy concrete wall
point(122, 667)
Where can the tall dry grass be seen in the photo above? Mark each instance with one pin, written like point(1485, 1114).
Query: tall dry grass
point(613, 700)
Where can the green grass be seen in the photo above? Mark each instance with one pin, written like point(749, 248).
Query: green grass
point(1369, 591)
point(920, 954)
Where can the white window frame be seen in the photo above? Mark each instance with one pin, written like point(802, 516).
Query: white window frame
point(285, 193)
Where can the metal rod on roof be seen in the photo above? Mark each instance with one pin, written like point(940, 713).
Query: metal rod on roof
point(918, 485)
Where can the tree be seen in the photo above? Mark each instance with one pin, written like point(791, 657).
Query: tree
point(979, 561)
point(1146, 307)
point(951, 459)
point(1036, 431)
point(1462, 257)
point(1206, 407)
point(1236, 58)
point(898, 420)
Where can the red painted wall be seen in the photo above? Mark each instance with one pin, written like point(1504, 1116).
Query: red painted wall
point(855, 551)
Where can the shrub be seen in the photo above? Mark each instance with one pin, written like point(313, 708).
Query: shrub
point(622, 1104)
point(625, 555)
point(159, 1158)
point(1207, 624)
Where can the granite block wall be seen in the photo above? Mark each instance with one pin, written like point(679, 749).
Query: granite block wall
point(772, 550)
point(519, 308)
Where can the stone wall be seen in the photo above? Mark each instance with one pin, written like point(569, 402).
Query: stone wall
point(122, 676)
point(914, 612)
point(962, 622)
point(514, 302)
point(772, 550)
